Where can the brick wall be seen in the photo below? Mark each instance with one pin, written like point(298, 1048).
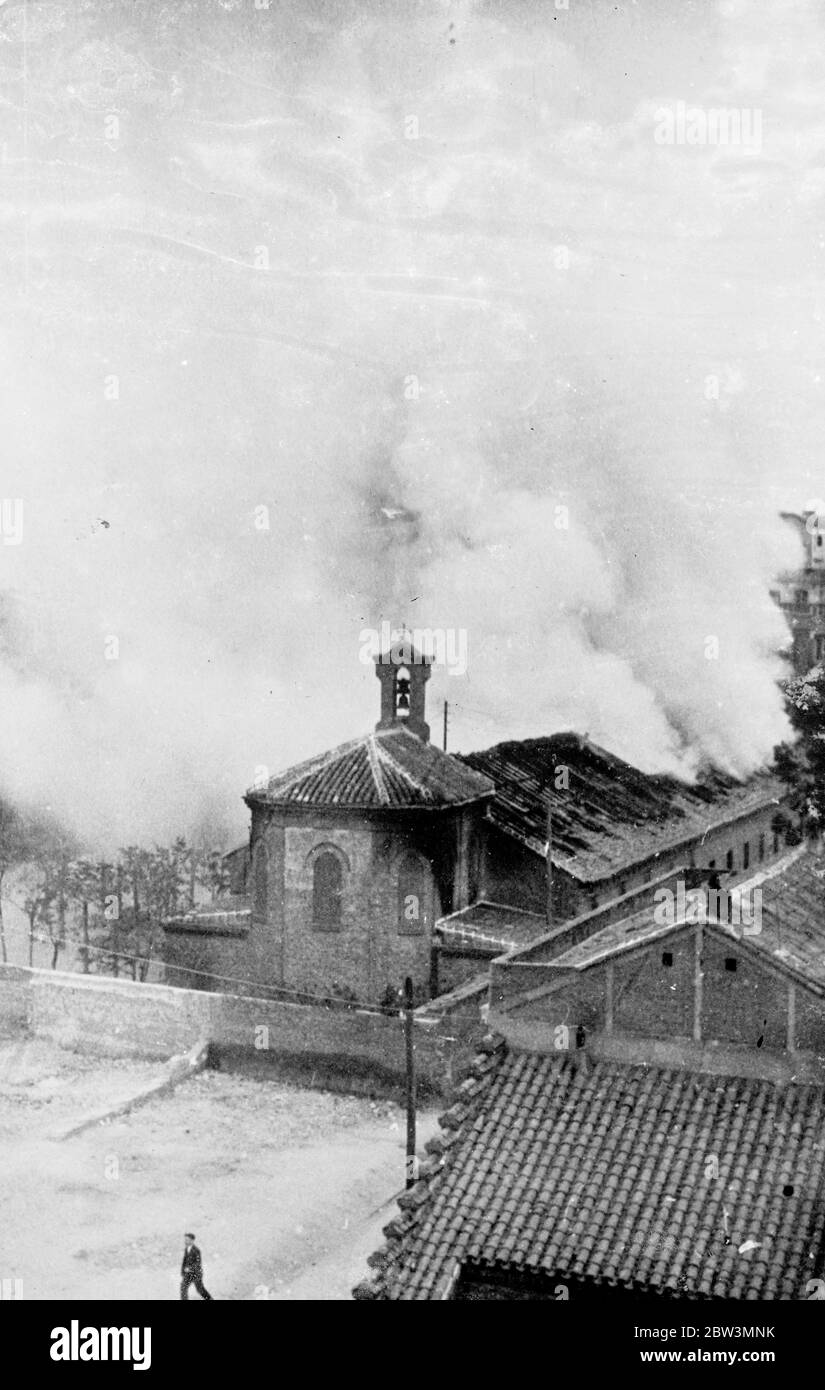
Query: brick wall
point(210, 961)
point(513, 874)
point(455, 968)
point(654, 999)
point(368, 954)
point(747, 1006)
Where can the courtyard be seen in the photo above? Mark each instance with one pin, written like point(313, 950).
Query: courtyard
point(286, 1188)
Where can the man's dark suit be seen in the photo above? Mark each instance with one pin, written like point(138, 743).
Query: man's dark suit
point(191, 1272)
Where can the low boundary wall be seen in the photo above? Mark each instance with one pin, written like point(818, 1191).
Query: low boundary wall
point(349, 1049)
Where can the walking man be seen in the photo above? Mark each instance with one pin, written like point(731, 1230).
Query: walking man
point(191, 1270)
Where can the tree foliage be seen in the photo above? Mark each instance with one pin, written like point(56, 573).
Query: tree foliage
point(802, 763)
point(111, 911)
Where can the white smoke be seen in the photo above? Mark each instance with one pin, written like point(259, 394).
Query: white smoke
point(420, 282)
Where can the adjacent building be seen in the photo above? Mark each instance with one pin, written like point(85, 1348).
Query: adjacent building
point(800, 592)
point(387, 857)
point(647, 1120)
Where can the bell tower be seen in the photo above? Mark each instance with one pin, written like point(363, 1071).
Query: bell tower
point(403, 672)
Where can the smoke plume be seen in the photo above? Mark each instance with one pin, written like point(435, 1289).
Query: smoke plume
point(316, 317)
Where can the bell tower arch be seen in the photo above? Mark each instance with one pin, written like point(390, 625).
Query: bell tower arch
point(403, 672)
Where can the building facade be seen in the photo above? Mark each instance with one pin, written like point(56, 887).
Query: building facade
point(800, 593)
point(647, 1119)
point(353, 856)
point(387, 857)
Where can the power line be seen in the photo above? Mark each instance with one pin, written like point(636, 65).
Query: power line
point(278, 990)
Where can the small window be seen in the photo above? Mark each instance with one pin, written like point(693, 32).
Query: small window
point(327, 883)
point(729, 860)
point(802, 596)
point(761, 847)
point(746, 854)
point(730, 964)
point(667, 958)
point(775, 843)
point(712, 864)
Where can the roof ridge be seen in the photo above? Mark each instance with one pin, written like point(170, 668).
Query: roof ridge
point(503, 1185)
point(375, 768)
point(313, 764)
point(386, 755)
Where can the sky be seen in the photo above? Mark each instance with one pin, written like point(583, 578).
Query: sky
point(315, 316)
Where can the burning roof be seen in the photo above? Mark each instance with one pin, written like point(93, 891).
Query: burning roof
point(605, 814)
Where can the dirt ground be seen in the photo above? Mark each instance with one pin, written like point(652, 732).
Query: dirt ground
point(286, 1189)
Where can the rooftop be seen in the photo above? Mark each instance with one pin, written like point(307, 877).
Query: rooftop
point(610, 814)
point(791, 928)
point(228, 916)
point(389, 769)
point(602, 1175)
point(490, 927)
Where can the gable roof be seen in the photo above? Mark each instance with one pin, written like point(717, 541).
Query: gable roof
point(791, 925)
point(389, 769)
point(601, 1174)
point(611, 814)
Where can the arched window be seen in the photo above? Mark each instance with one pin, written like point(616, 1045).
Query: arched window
point(402, 693)
point(260, 880)
point(327, 886)
point(414, 896)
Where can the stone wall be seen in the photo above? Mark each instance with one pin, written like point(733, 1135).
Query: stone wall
point(352, 1048)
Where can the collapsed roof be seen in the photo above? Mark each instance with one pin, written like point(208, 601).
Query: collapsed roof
point(609, 814)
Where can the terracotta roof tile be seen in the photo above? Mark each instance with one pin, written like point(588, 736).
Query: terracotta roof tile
point(602, 1175)
point(791, 930)
point(611, 814)
point(389, 769)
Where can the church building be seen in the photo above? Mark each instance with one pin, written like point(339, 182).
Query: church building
point(353, 856)
point(387, 857)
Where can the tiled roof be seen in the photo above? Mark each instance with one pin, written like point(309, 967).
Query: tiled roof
point(230, 916)
point(791, 926)
point(392, 768)
point(605, 1173)
point(490, 927)
point(611, 814)
point(793, 919)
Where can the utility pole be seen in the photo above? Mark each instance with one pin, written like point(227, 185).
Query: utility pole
point(408, 1038)
point(446, 708)
point(116, 924)
point(548, 867)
